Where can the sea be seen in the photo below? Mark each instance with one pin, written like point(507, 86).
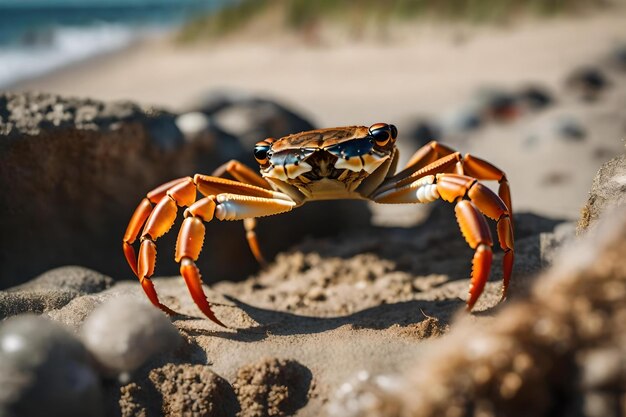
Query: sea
point(39, 36)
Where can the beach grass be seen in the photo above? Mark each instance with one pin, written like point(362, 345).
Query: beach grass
point(302, 15)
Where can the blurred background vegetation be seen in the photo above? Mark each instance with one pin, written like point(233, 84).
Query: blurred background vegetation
point(354, 15)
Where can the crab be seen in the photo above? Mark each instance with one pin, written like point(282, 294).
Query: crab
point(352, 162)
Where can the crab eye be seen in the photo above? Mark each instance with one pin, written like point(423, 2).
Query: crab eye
point(394, 131)
point(261, 150)
point(381, 133)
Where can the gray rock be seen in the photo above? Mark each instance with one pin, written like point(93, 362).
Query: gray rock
point(250, 118)
point(587, 83)
point(608, 190)
point(70, 278)
point(45, 371)
point(571, 129)
point(124, 333)
point(52, 290)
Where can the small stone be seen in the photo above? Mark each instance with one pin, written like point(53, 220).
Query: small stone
point(124, 333)
point(45, 371)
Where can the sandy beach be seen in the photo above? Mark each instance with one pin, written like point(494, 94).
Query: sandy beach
point(353, 302)
point(430, 72)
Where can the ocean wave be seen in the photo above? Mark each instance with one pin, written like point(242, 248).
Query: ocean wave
point(62, 46)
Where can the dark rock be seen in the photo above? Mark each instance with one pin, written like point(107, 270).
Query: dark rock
point(618, 57)
point(607, 190)
point(535, 97)
point(52, 290)
point(250, 118)
point(124, 333)
point(588, 83)
point(498, 105)
point(45, 371)
point(424, 131)
point(71, 172)
point(571, 129)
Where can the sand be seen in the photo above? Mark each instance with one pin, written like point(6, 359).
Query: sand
point(432, 72)
point(366, 301)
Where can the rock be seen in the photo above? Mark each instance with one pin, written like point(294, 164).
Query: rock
point(69, 278)
point(535, 97)
point(72, 172)
point(498, 105)
point(250, 118)
point(272, 387)
point(571, 129)
point(618, 57)
point(14, 303)
point(607, 190)
point(201, 130)
point(193, 390)
point(52, 290)
point(45, 371)
point(555, 353)
point(423, 131)
point(463, 120)
point(587, 83)
point(124, 333)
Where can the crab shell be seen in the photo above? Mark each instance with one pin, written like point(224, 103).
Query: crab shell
point(327, 163)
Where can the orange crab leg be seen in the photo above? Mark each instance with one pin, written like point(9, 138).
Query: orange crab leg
point(452, 187)
point(245, 175)
point(459, 188)
point(255, 248)
point(241, 173)
point(191, 235)
point(476, 233)
point(139, 217)
point(427, 154)
point(156, 222)
point(483, 170)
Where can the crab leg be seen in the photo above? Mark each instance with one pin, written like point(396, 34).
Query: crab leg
point(424, 156)
point(432, 155)
point(452, 187)
point(241, 173)
point(159, 222)
point(459, 188)
point(191, 236)
point(245, 175)
point(138, 219)
point(255, 248)
point(483, 170)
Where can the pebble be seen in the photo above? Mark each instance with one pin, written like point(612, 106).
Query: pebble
point(124, 333)
point(45, 371)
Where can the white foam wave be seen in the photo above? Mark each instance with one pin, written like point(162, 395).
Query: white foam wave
point(65, 45)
